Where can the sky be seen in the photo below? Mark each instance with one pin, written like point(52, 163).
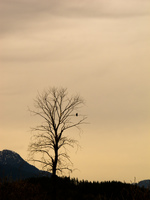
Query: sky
point(98, 49)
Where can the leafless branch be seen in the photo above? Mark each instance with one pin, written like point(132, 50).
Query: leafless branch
point(49, 139)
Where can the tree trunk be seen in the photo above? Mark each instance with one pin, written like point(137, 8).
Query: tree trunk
point(56, 159)
point(54, 172)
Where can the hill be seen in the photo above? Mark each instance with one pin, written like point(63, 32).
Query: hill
point(14, 167)
point(145, 184)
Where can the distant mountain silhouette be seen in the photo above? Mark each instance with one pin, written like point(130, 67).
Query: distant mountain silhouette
point(144, 183)
point(14, 167)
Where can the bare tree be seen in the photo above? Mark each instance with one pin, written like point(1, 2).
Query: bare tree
point(59, 113)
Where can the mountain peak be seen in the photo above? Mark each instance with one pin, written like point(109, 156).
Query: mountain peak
point(10, 157)
point(12, 165)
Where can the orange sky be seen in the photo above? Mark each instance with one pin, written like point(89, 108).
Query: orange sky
point(99, 49)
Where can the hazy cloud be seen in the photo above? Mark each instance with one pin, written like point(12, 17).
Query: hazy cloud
point(18, 14)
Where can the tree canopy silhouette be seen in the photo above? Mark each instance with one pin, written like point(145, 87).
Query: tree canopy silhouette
point(59, 113)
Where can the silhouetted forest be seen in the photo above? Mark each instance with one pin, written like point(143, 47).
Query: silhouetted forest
point(70, 189)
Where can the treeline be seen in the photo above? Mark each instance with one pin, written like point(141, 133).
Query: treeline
point(70, 189)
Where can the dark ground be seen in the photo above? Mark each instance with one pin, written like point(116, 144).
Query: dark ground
point(69, 189)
